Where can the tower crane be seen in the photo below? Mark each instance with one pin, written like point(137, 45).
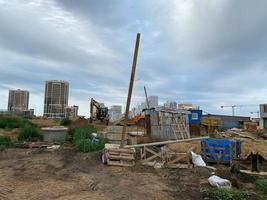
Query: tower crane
point(256, 112)
point(234, 106)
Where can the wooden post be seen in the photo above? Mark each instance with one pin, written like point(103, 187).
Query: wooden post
point(130, 90)
point(147, 116)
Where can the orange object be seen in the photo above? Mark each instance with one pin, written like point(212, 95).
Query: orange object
point(136, 119)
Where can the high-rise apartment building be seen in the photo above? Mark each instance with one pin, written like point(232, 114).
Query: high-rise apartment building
point(71, 112)
point(56, 98)
point(188, 106)
point(116, 108)
point(153, 101)
point(115, 112)
point(171, 105)
point(18, 100)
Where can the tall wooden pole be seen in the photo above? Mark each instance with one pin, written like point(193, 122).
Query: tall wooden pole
point(147, 116)
point(130, 90)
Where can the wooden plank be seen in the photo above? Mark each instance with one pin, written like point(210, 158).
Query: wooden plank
point(121, 150)
point(121, 157)
point(254, 173)
point(151, 151)
point(142, 154)
point(177, 159)
point(150, 158)
point(165, 142)
point(120, 164)
point(154, 154)
point(122, 154)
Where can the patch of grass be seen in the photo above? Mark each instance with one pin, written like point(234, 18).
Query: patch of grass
point(261, 187)
point(65, 122)
point(29, 133)
point(225, 194)
point(69, 135)
point(11, 122)
point(85, 145)
point(83, 132)
point(5, 142)
point(81, 138)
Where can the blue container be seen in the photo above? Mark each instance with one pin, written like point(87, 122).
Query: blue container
point(195, 116)
point(220, 150)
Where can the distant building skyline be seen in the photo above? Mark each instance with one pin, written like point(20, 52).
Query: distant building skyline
point(153, 101)
point(170, 104)
point(56, 98)
point(71, 112)
point(188, 106)
point(115, 112)
point(18, 100)
point(203, 52)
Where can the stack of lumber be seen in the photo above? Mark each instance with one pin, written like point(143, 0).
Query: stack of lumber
point(119, 156)
point(211, 121)
point(250, 126)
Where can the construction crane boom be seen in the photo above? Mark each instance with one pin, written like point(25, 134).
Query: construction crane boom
point(256, 112)
point(234, 106)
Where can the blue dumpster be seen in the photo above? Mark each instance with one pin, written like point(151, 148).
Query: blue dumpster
point(220, 150)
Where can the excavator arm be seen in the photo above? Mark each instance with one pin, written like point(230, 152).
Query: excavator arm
point(99, 113)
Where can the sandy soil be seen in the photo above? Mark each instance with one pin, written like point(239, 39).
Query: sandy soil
point(41, 122)
point(64, 174)
point(12, 133)
point(39, 174)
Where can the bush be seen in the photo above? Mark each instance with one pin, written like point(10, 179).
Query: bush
point(5, 142)
point(65, 122)
point(69, 135)
point(225, 194)
point(85, 145)
point(29, 133)
point(81, 138)
point(261, 186)
point(83, 132)
point(79, 133)
point(11, 122)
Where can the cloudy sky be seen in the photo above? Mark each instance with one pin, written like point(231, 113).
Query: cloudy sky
point(208, 52)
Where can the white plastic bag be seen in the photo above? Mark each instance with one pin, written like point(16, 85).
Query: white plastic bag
point(197, 160)
point(219, 182)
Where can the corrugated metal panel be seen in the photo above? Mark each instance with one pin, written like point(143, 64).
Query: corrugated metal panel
point(230, 124)
point(161, 125)
point(155, 129)
point(231, 121)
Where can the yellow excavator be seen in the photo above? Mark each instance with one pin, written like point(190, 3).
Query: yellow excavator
point(98, 112)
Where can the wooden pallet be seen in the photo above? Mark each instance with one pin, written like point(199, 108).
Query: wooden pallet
point(120, 156)
point(163, 154)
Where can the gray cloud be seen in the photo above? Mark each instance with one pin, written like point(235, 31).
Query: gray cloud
point(208, 52)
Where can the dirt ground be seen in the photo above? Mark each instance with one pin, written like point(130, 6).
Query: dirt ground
point(12, 133)
point(64, 174)
point(42, 122)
